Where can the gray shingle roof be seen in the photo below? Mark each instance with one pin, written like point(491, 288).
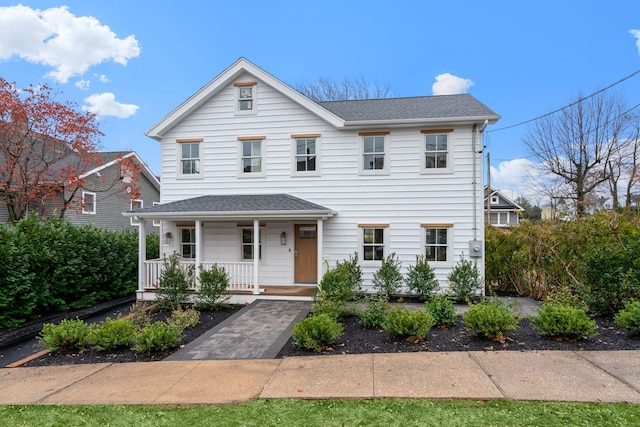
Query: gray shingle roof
point(423, 107)
point(245, 203)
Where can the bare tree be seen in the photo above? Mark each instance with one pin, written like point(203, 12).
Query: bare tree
point(576, 144)
point(331, 90)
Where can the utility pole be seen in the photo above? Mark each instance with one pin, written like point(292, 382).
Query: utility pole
point(489, 188)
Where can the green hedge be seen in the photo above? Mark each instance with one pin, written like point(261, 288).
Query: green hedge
point(49, 265)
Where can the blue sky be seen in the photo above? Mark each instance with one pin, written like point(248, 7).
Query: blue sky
point(133, 62)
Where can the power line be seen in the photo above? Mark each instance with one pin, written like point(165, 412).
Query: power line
point(568, 105)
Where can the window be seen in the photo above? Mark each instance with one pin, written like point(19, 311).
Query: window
point(156, 222)
point(247, 244)
point(88, 202)
point(372, 243)
point(500, 218)
point(436, 152)
point(188, 242)
point(135, 204)
point(436, 243)
point(495, 200)
point(306, 155)
point(373, 153)
point(246, 97)
point(190, 158)
point(252, 156)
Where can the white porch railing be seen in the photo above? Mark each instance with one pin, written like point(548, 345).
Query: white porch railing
point(240, 273)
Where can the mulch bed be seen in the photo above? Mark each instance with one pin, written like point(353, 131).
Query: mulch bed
point(358, 340)
point(208, 320)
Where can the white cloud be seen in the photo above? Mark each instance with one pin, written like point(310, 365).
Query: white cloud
point(83, 84)
point(448, 84)
point(636, 34)
point(105, 104)
point(515, 178)
point(57, 38)
point(103, 78)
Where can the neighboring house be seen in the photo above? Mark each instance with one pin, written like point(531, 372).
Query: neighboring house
point(504, 212)
point(277, 188)
point(106, 194)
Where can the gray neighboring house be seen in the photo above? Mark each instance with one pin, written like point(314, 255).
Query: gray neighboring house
point(105, 194)
point(504, 211)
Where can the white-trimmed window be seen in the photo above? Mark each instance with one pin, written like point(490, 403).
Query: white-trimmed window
point(251, 155)
point(246, 97)
point(156, 222)
point(306, 154)
point(247, 244)
point(495, 200)
point(437, 242)
point(188, 242)
point(88, 203)
point(373, 151)
point(135, 204)
point(189, 156)
point(499, 219)
point(373, 237)
point(436, 154)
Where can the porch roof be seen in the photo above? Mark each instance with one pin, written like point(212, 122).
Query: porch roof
point(236, 207)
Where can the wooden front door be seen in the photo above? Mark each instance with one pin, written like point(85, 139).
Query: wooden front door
point(306, 253)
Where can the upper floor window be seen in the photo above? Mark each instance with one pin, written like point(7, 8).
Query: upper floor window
point(189, 156)
point(495, 200)
point(135, 204)
point(373, 152)
point(251, 159)
point(188, 242)
point(306, 155)
point(246, 97)
point(436, 242)
point(88, 202)
point(373, 242)
point(436, 150)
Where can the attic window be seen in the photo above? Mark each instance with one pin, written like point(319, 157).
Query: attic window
point(246, 97)
point(495, 200)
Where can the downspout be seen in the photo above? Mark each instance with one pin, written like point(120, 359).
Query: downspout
point(475, 174)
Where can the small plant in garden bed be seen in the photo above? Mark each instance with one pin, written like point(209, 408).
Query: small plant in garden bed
point(629, 317)
point(412, 325)
point(563, 321)
point(213, 291)
point(66, 335)
point(374, 315)
point(387, 279)
point(465, 282)
point(491, 318)
point(156, 337)
point(112, 334)
point(421, 279)
point(442, 310)
point(317, 332)
point(183, 319)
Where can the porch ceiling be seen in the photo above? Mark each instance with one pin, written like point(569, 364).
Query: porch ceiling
point(236, 207)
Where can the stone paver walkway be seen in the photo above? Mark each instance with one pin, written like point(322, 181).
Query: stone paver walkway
point(258, 331)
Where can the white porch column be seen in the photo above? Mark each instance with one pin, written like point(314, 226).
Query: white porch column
point(199, 254)
point(256, 256)
point(142, 256)
point(320, 242)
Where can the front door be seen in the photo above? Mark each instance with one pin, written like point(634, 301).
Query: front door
point(306, 253)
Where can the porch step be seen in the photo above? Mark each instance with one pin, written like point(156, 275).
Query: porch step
point(257, 331)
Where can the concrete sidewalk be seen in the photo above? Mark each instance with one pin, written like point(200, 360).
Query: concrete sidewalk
point(597, 376)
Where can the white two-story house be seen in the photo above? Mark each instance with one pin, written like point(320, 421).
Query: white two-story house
point(278, 188)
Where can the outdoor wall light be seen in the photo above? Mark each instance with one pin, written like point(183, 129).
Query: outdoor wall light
point(167, 238)
point(283, 238)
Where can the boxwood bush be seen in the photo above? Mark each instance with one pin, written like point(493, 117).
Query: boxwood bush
point(563, 321)
point(67, 335)
point(316, 332)
point(412, 325)
point(491, 318)
point(629, 317)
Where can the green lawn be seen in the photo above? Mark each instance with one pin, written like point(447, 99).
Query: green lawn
point(400, 412)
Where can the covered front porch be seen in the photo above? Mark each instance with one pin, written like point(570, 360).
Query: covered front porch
point(285, 232)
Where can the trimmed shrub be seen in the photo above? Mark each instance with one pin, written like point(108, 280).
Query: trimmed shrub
point(338, 287)
point(112, 334)
point(465, 282)
point(563, 321)
point(412, 325)
point(316, 332)
point(491, 318)
point(156, 337)
point(421, 279)
point(213, 290)
point(442, 310)
point(173, 287)
point(67, 335)
point(184, 319)
point(629, 317)
point(387, 280)
point(374, 315)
